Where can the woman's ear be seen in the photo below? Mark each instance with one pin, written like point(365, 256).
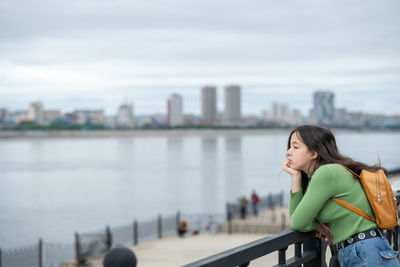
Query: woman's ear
point(314, 155)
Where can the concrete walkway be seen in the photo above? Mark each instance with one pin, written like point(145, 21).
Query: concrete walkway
point(174, 251)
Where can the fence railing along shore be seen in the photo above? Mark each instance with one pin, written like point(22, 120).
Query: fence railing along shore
point(45, 254)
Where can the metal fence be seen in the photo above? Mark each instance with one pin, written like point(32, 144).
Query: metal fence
point(87, 244)
point(272, 201)
point(98, 242)
point(41, 255)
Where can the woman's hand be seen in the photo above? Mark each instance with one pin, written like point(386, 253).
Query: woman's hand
point(296, 176)
point(322, 231)
point(289, 170)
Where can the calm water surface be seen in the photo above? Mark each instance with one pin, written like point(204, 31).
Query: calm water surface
point(50, 188)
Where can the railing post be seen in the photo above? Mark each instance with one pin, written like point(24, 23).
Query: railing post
point(178, 218)
point(135, 232)
point(159, 226)
point(40, 253)
point(230, 222)
point(395, 238)
point(227, 211)
point(297, 250)
point(282, 257)
point(315, 244)
point(77, 247)
point(108, 237)
point(0, 257)
point(273, 211)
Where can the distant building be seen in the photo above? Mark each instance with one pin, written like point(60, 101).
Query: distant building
point(280, 112)
point(296, 117)
point(3, 114)
point(92, 116)
point(324, 107)
point(125, 117)
point(233, 113)
point(175, 110)
point(51, 115)
point(36, 113)
point(209, 104)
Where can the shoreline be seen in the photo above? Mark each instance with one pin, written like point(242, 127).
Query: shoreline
point(33, 134)
point(37, 134)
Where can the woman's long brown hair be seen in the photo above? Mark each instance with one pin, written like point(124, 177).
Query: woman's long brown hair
point(322, 141)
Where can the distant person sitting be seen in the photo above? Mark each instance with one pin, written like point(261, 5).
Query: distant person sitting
point(182, 228)
point(119, 257)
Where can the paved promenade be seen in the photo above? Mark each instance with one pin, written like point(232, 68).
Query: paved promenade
point(175, 251)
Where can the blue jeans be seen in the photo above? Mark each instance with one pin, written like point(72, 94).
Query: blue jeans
point(370, 252)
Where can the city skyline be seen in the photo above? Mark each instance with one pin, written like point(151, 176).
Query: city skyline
point(220, 111)
point(91, 55)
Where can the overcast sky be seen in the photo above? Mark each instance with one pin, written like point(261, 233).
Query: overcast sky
point(74, 54)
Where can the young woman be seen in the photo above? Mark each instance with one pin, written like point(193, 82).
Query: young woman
point(311, 160)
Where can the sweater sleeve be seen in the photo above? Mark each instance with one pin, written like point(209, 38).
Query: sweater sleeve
point(320, 189)
point(294, 201)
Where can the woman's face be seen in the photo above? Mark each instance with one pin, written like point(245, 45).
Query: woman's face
point(299, 156)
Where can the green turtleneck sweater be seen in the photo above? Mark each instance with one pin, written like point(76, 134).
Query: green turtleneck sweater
point(330, 180)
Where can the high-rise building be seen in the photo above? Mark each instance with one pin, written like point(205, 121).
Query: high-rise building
point(175, 110)
point(209, 104)
point(125, 116)
point(232, 105)
point(324, 107)
point(35, 112)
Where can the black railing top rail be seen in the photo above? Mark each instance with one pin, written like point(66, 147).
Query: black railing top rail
point(245, 253)
point(394, 172)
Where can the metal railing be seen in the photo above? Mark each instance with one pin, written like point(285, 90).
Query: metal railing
point(313, 251)
point(271, 201)
point(41, 254)
point(308, 250)
point(95, 243)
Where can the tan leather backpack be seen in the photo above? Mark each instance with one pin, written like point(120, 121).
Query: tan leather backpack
point(380, 196)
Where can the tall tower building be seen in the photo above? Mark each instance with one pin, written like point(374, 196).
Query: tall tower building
point(324, 107)
point(175, 110)
point(209, 104)
point(232, 105)
point(36, 112)
point(125, 117)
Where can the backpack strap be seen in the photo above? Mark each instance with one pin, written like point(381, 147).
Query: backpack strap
point(349, 206)
point(355, 174)
point(353, 208)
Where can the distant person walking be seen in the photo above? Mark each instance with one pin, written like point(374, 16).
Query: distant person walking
point(243, 207)
point(255, 199)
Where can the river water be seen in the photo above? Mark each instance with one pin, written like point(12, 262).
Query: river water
point(50, 188)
